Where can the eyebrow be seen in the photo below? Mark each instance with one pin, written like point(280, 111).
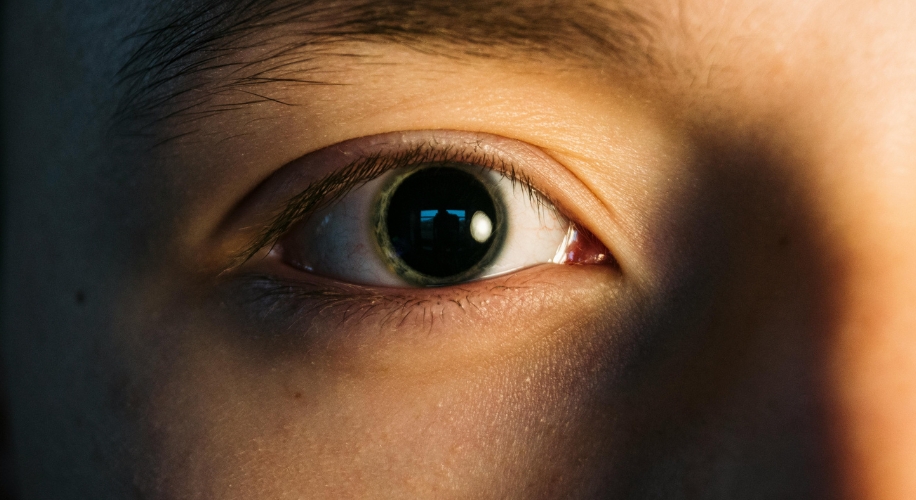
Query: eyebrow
point(190, 53)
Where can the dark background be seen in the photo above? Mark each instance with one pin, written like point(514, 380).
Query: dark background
point(7, 482)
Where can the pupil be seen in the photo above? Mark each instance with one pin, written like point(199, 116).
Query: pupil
point(441, 222)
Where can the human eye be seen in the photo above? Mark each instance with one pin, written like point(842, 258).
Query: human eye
point(423, 209)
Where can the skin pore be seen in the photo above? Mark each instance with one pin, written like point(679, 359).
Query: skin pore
point(747, 164)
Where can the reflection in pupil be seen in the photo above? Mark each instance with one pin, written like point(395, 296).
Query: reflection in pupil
point(441, 221)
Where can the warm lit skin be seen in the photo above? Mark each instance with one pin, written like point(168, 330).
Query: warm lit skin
point(756, 185)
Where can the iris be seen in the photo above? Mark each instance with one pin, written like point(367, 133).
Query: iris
point(440, 224)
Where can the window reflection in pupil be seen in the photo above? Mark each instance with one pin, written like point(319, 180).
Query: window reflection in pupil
point(429, 221)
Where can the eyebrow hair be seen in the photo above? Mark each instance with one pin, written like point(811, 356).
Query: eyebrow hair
point(188, 55)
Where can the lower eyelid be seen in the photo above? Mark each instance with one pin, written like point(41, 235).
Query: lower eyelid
point(316, 316)
point(290, 296)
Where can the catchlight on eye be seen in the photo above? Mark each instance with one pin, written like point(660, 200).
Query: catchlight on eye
point(441, 224)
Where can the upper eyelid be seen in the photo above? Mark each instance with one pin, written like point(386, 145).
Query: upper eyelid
point(364, 168)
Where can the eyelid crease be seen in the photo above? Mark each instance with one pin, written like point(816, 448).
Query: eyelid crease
point(337, 184)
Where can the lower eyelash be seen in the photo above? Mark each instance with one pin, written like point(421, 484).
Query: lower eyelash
point(273, 299)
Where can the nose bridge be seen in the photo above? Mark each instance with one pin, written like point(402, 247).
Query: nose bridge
point(864, 189)
point(873, 358)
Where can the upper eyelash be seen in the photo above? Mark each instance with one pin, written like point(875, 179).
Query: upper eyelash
point(335, 185)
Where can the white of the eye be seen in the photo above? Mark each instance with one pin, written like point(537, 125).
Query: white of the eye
point(534, 231)
point(481, 227)
point(339, 241)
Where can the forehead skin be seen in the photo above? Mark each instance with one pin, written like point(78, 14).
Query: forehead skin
point(754, 176)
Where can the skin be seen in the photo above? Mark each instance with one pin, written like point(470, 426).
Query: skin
point(757, 189)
